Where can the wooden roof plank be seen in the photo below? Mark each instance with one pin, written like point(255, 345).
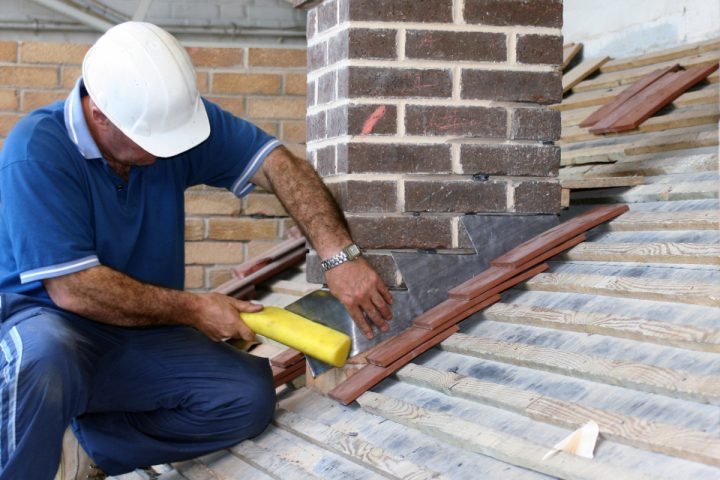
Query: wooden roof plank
point(600, 182)
point(694, 445)
point(493, 443)
point(661, 56)
point(682, 220)
point(354, 448)
point(581, 72)
point(639, 376)
point(570, 51)
point(269, 462)
point(662, 290)
point(657, 252)
point(609, 324)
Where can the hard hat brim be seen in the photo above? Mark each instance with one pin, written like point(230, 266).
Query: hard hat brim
point(181, 139)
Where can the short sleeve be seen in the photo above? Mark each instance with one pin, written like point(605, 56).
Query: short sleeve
point(47, 216)
point(231, 155)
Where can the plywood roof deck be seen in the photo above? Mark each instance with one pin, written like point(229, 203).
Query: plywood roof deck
point(623, 329)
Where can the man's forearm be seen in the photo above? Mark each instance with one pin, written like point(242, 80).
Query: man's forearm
point(108, 296)
point(307, 200)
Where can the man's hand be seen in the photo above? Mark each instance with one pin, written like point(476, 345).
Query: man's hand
point(365, 296)
point(219, 317)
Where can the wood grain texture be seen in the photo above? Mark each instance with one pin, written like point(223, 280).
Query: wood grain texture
point(490, 442)
point(581, 72)
point(283, 263)
point(629, 287)
point(269, 462)
point(610, 324)
point(570, 51)
point(558, 235)
point(354, 448)
point(665, 55)
point(600, 182)
point(648, 378)
point(487, 299)
point(694, 445)
point(682, 220)
point(624, 77)
point(695, 253)
point(286, 358)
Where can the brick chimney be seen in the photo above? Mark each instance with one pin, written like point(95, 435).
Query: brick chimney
point(426, 115)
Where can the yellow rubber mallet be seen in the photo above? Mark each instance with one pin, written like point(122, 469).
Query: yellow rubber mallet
point(295, 331)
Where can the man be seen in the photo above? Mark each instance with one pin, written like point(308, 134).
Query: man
point(96, 330)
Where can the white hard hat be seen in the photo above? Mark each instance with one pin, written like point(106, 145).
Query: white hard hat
point(142, 79)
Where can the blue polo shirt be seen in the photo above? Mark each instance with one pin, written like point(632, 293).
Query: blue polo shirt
point(63, 209)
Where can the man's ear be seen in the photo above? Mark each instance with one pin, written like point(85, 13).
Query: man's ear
point(98, 117)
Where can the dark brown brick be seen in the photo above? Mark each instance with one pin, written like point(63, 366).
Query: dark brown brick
point(363, 43)
point(337, 121)
point(470, 46)
point(537, 87)
point(465, 196)
point(317, 56)
point(382, 262)
point(393, 158)
point(311, 29)
point(537, 13)
point(372, 119)
point(316, 129)
point(411, 231)
point(469, 121)
point(325, 161)
point(535, 124)
point(355, 196)
point(522, 160)
point(327, 15)
point(376, 82)
point(545, 49)
point(537, 197)
point(397, 10)
point(311, 99)
point(327, 88)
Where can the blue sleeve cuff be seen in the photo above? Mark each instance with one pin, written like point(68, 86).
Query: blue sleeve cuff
point(242, 185)
point(59, 269)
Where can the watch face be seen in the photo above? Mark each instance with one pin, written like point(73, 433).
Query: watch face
point(353, 251)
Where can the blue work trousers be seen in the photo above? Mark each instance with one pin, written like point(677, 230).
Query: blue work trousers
point(134, 396)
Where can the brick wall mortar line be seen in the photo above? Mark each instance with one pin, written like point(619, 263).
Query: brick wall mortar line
point(509, 121)
point(431, 102)
point(512, 48)
point(447, 27)
point(444, 215)
point(457, 83)
point(456, 166)
point(364, 177)
point(431, 64)
point(416, 140)
point(401, 194)
point(454, 232)
point(246, 57)
point(401, 42)
point(458, 8)
point(510, 198)
point(401, 118)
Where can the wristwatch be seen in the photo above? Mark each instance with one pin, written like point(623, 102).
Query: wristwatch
point(351, 252)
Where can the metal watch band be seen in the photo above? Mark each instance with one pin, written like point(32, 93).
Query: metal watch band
point(351, 252)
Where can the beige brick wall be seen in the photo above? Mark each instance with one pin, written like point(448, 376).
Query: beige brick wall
point(263, 85)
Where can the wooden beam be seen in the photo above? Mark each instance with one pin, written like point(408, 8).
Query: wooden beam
point(656, 252)
point(682, 220)
point(640, 376)
point(614, 79)
point(581, 72)
point(693, 445)
point(656, 192)
point(683, 51)
point(287, 358)
point(570, 51)
point(610, 324)
point(354, 448)
point(283, 263)
point(600, 182)
point(268, 462)
point(644, 288)
point(492, 443)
